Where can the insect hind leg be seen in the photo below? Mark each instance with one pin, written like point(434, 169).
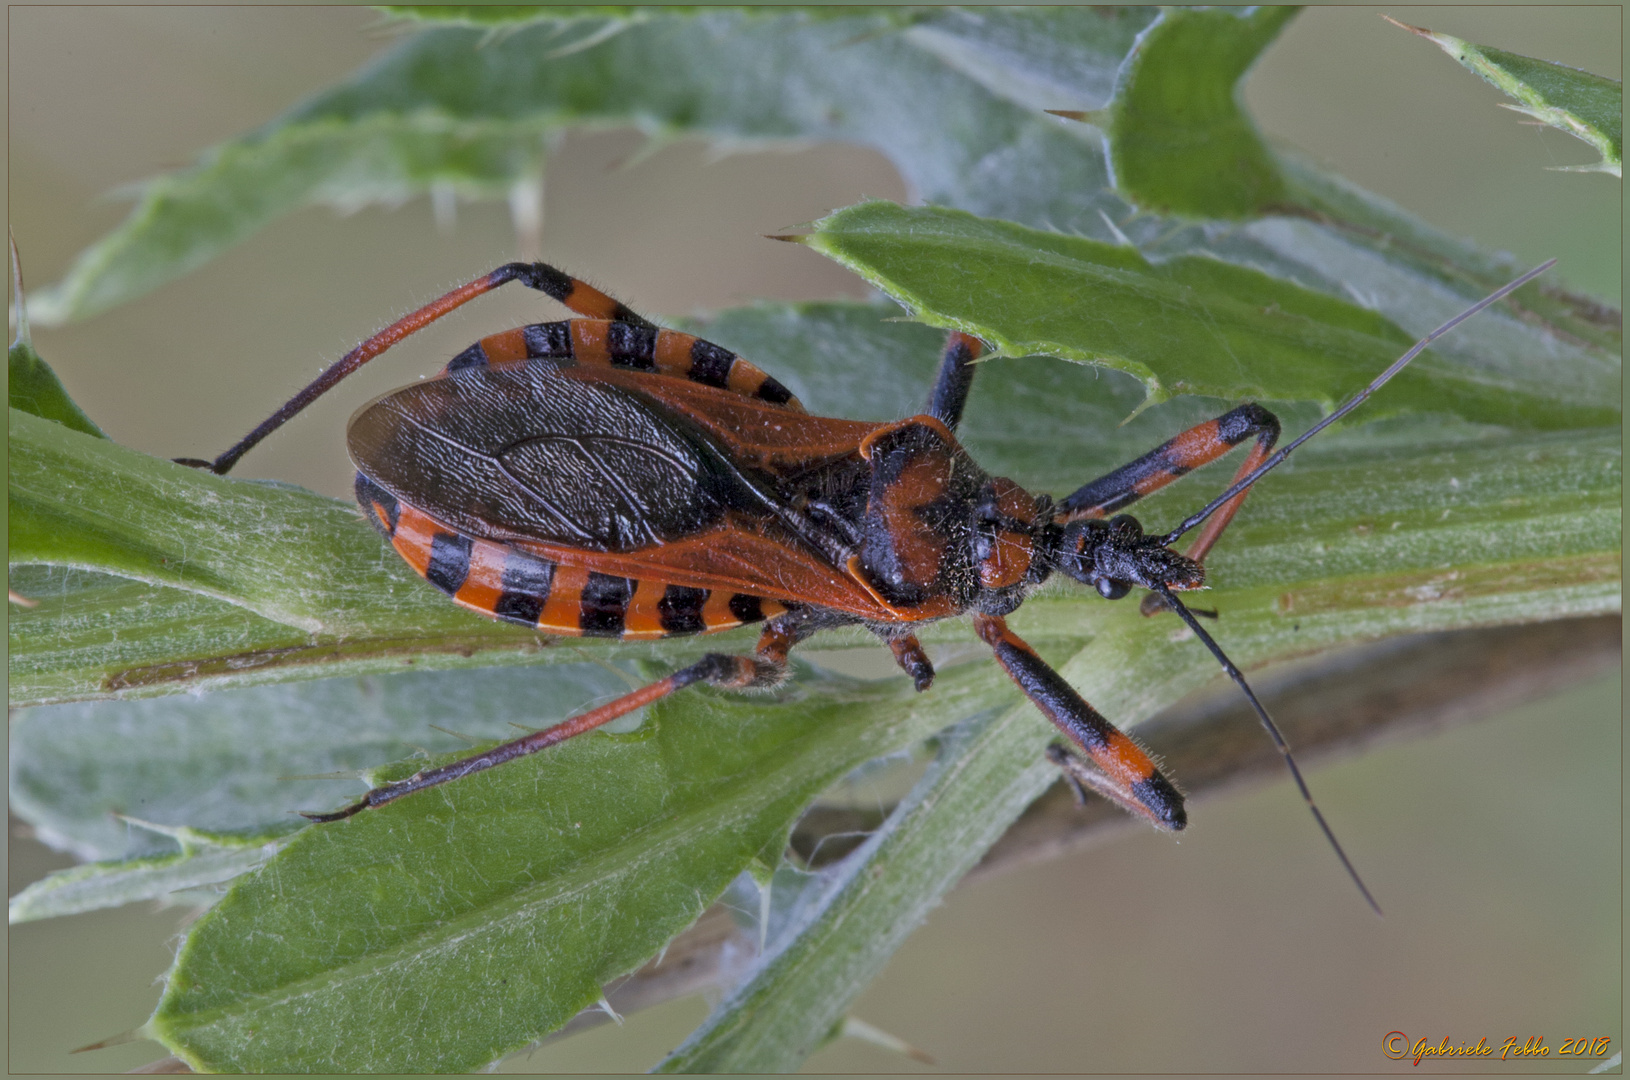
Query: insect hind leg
point(764, 669)
point(579, 296)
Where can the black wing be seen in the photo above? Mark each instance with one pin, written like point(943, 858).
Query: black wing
point(528, 451)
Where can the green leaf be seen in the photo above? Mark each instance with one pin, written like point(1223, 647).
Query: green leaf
point(1381, 529)
point(442, 930)
point(450, 107)
point(95, 886)
point(90, 635)
point(269, 549)
point(1377, 562)
point(988, 769)
point(32, 387)
point(238, 764)
point(954, 101)
point(458, 926)
point(1179, 142)
point(243, 569)
point(1187, 325)
point(1588, 107)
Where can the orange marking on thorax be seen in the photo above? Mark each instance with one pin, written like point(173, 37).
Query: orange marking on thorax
point(935, 607)
point(1013, 501)
point(485, 582)
point(563, 612)
point(508, 346)
point(919, 549)
point(643, 619)
point(589, 341)
point(870, 440)
point(1008, 561)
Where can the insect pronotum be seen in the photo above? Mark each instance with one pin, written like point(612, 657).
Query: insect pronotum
point(604, 476)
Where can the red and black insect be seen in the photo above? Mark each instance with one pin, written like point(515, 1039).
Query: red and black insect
point(606, 477)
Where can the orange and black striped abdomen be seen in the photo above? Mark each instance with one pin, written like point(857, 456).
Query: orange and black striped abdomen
point(503, 582)
point(631, 346)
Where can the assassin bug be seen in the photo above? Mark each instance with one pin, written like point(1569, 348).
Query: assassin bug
point(605, 477)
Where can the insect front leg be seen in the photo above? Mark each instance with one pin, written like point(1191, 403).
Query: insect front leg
point(765, 668)
point(1199, 445)
point(1123, 773)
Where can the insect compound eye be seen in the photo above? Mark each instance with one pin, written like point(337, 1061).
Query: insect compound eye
point(1112, 590)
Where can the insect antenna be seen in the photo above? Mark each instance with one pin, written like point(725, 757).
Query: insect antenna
point(1351, 403)
point(1273, 733)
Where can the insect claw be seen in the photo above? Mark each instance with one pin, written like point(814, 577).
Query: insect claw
point(337, 815)
point(1061, 757)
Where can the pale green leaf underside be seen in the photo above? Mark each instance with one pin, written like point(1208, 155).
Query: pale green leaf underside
point(456, 108)
point(1117, 670)
point(987, 770)
point(1588, 107)
point(238, 764)
point(95, 886)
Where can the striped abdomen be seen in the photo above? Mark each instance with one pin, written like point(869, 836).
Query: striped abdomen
point(503, 582)
point(601, 343)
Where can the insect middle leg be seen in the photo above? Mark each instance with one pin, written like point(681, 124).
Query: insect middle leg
point(765, 668)
point(955, 378)
point(1124, 773)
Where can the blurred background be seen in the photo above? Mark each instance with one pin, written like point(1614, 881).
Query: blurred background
point(1495, 847)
